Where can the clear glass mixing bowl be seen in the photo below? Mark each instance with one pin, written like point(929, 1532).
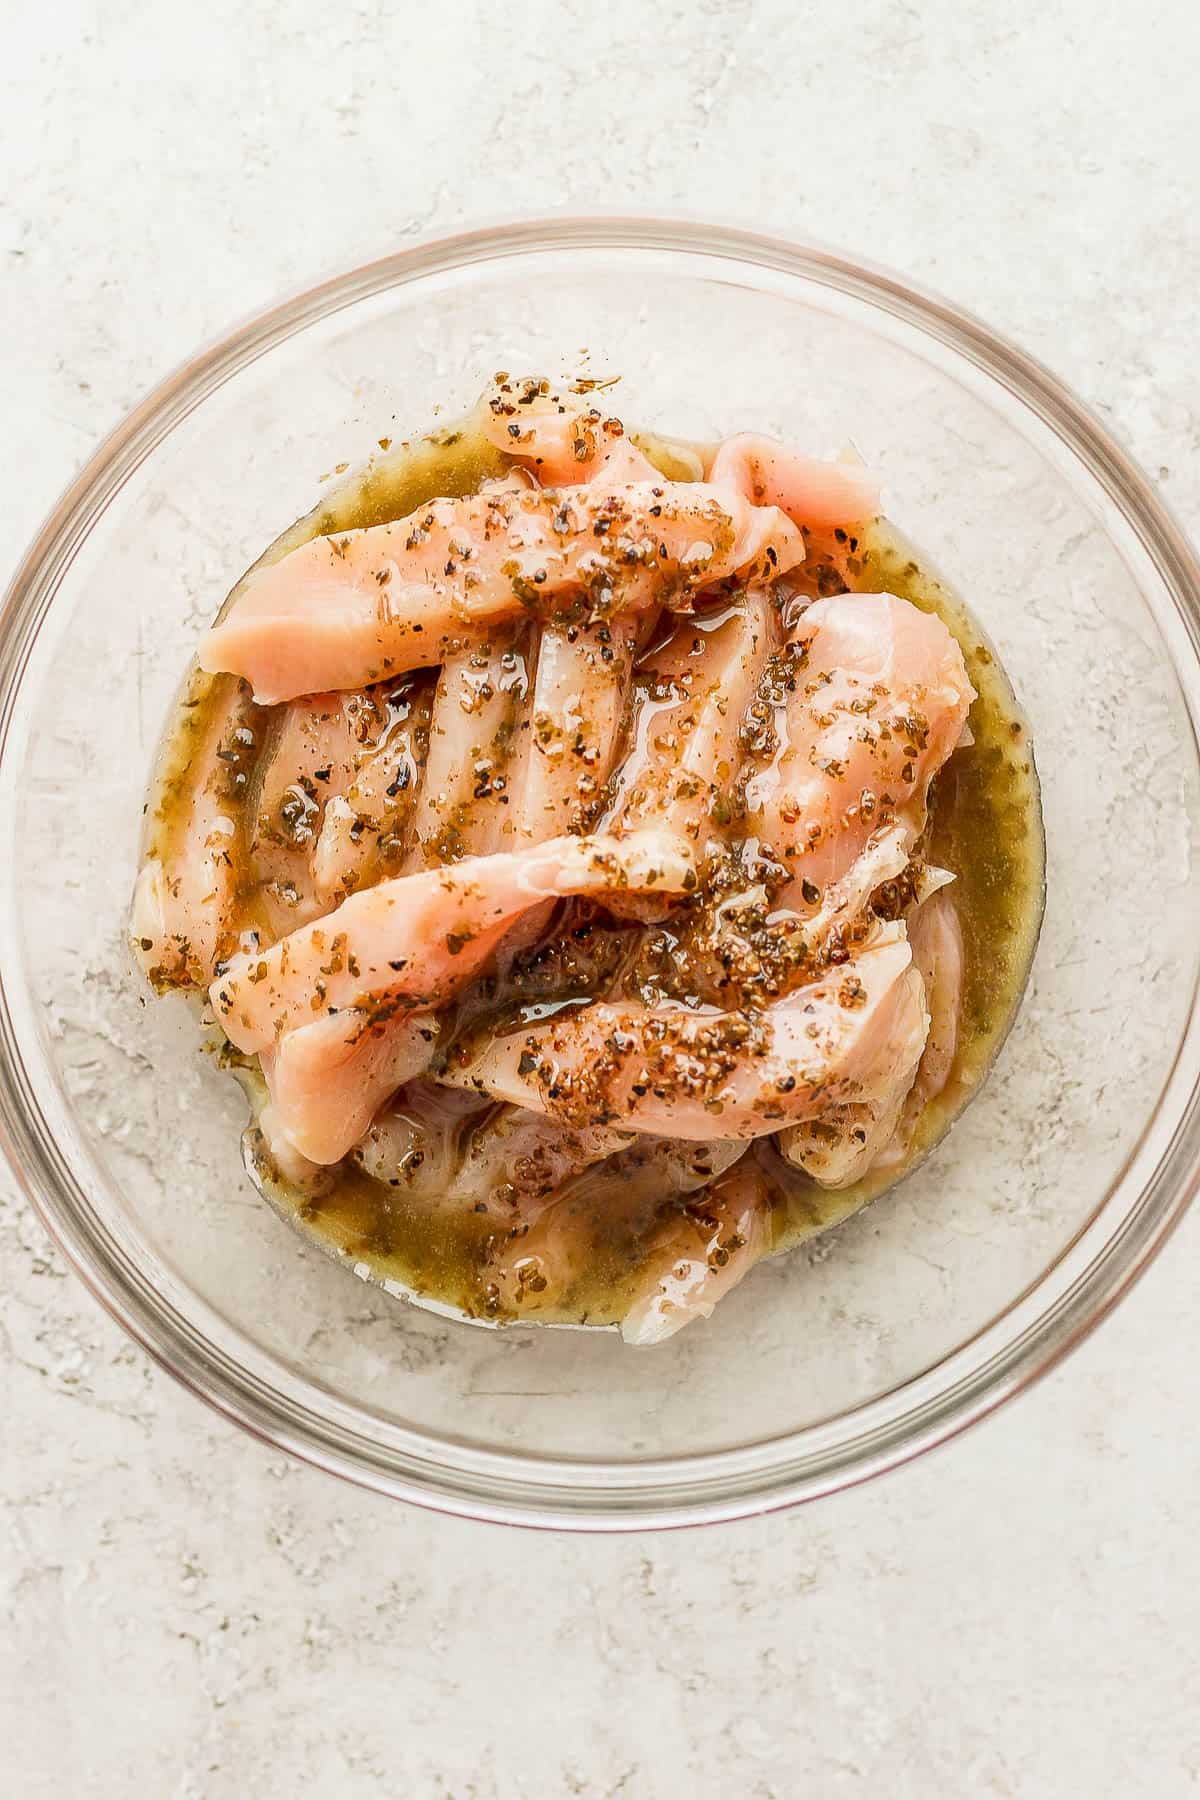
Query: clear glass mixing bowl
point(826, 1366)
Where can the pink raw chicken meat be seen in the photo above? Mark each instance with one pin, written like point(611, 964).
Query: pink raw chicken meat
point(327, 1080)
point(820, 495)
point(506, 1160)
point(415, 940)
point(481, 690)
point(184, 904)
point(702, 1244)
point(577, 708)
point(348, 610)
point(559, 441)
point(698, 1255)
point(935, 933)
point(699, 684)
point(682, 1073)
point(310, 764)
point(869, 698)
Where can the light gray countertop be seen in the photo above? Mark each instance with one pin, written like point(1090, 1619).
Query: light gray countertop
point(185, 1613)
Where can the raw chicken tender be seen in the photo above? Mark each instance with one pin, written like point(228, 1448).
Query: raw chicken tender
point(822, 496)
point(858, 713)
point(698, 1074)
point(352, 609)
point(417, 939)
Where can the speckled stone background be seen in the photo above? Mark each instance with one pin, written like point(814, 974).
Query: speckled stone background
point(184, 1613)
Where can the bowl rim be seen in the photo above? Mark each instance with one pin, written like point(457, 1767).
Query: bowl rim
point(1089, 1275)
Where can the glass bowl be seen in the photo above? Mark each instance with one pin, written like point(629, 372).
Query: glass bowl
point(874, 1342)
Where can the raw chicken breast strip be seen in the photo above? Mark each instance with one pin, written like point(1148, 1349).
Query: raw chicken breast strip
point(820, 495)
point(182, 915)
point(840, 1145)
point(552, 1242)
point(840, 1148)
point(508, 1161)
point(699, 1255)
point(414, 1145)
point(935, 933)
point(364, 831)
point(464, 800)
point(681, 1073)
point(863, 705)
point(700, 682)
point(559, 441)
point(350, 610)
point(327, 1080)
point(309, 764)
point(415, 940)
point(576, 719)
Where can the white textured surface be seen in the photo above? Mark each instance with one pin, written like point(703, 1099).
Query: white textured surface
point(182, 1612)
